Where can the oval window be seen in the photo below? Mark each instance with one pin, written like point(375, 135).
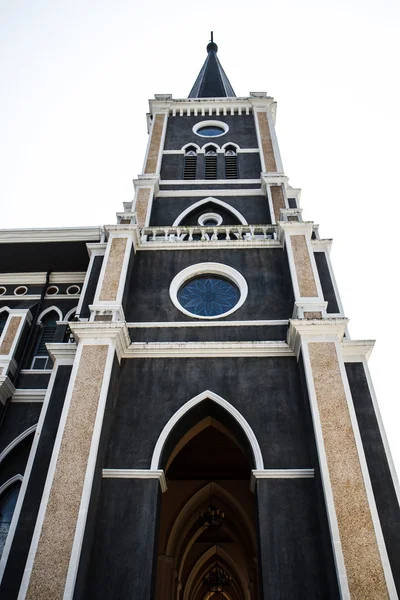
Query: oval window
point(208, 296)
point(52, 290)
point(210, 128)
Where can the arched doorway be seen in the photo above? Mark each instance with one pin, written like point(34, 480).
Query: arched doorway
point(207, 533)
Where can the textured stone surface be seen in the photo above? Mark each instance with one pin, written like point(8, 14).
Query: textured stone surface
point(112, 275)
point(266, 143)
point(305, 275)
point(10, 334)
point(154, 149)
point(316, 314)
point(142, 204)
point(103, 318)
point(360, 549)
point(51, 563)
point(278, 200)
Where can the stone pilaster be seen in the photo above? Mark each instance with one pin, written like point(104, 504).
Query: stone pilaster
point(156, 142)
point(9, 341)
point(54, 554)
point(360, 554)
point(309, 299)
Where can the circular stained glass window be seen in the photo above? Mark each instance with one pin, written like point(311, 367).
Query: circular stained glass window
point(210, 131)
point(208, 296)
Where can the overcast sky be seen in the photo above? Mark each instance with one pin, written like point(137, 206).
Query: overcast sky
point(76, 77)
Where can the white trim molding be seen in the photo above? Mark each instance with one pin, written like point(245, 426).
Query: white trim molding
point(210, 123)
point(205, 269)
point(9, 482)
point(16, 441)
point(137, 474)
point(280, 474)
point(208, 395)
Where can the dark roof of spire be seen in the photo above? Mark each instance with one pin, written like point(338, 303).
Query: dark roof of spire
point(212, 81)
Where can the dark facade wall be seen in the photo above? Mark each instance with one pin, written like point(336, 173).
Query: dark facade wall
point(44, 256)
point(248, 166)
point(15, 461)
point(22, 539)
point(326, 282)
point(254, 209)
point(242, 131)
point(378, 467)
point(91, 286)
point(20, 416)
point(292, 562)
point(266, 271)
point(266, 391)
point(124, 549)
point(209, 334)
point(33, 381)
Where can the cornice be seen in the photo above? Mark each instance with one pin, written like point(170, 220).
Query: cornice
point(64, 234)
point(322, 245)
point(207, 349)
point(100, 331)
point(7, 388)
point(40, 278)
point(356, 350)
point(63, 352)
point(314, 330)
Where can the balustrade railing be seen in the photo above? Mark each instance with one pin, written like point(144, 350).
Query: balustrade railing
point(208, 234)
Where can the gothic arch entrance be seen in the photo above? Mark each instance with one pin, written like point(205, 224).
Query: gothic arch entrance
point(207, 457)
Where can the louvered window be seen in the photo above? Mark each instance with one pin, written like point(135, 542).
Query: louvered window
point(189, 170)
point(231, 171)
point(210, 165)
point(41, 358)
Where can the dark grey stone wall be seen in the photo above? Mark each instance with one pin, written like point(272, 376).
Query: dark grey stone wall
point(326, 282)
point(266, 391)
point(19, 417)
point(292, 563)
point(91, 286)
point(254, 209)
point(22, 539)
point(266, 271)
point(44, 256)
point(242, 131)
point(378, 467)
point(209, 334)
point(124, 551)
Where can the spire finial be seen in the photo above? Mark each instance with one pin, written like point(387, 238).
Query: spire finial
point(212, 45)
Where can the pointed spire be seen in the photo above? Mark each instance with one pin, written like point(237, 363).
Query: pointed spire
point(212, 81)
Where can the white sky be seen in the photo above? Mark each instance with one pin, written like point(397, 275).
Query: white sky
point(76, 76)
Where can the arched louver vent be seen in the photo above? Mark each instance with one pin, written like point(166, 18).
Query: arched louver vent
point(210, 164)
point(189, 170)
point(231, 171)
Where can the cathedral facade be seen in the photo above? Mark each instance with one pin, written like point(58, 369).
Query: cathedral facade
point(183, 413)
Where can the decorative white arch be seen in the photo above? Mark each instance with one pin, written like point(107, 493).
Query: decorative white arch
point(16, 441)
point(190, 145)
point(9, 482)
point(225, 205)
point(47, 310)
point(70, 313)
point(208, 144)
point(207, 395)
point(230, 144)
point(5, 309)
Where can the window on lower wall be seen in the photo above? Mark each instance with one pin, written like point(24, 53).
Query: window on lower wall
point(41, 358)
point(8, 500)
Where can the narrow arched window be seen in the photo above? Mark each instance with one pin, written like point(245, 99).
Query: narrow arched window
point(189, 169)
point(231, 171)
point(8, 501)
point(210, 164)
point(41, 358)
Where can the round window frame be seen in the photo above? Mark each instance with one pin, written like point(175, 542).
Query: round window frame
point(208, 268)
point(3, 290)
point(53, 287)
point(211, 123)
point(20, 287)
point(74, 285)
point(209, 215)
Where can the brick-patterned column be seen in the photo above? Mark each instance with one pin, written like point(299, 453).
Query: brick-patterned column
point(277, 200)
point(156, 143)
point(307, 289)
point(53, 560)
point(107, 304)
point(145, 189)
point(361, 560)
point(268, 144)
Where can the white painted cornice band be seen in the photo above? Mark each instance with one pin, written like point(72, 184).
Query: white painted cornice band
point(280, 474)
point(29, 395)
point(62, 351)
point(62, 234)
point(207, 349)
point(40, 278)
point(137, 474)
point(356, 350)
point(170, 324)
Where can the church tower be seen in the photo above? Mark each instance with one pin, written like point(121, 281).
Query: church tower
point(184, 413)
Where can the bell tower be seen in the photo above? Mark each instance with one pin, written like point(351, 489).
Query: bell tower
point(216, 432)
